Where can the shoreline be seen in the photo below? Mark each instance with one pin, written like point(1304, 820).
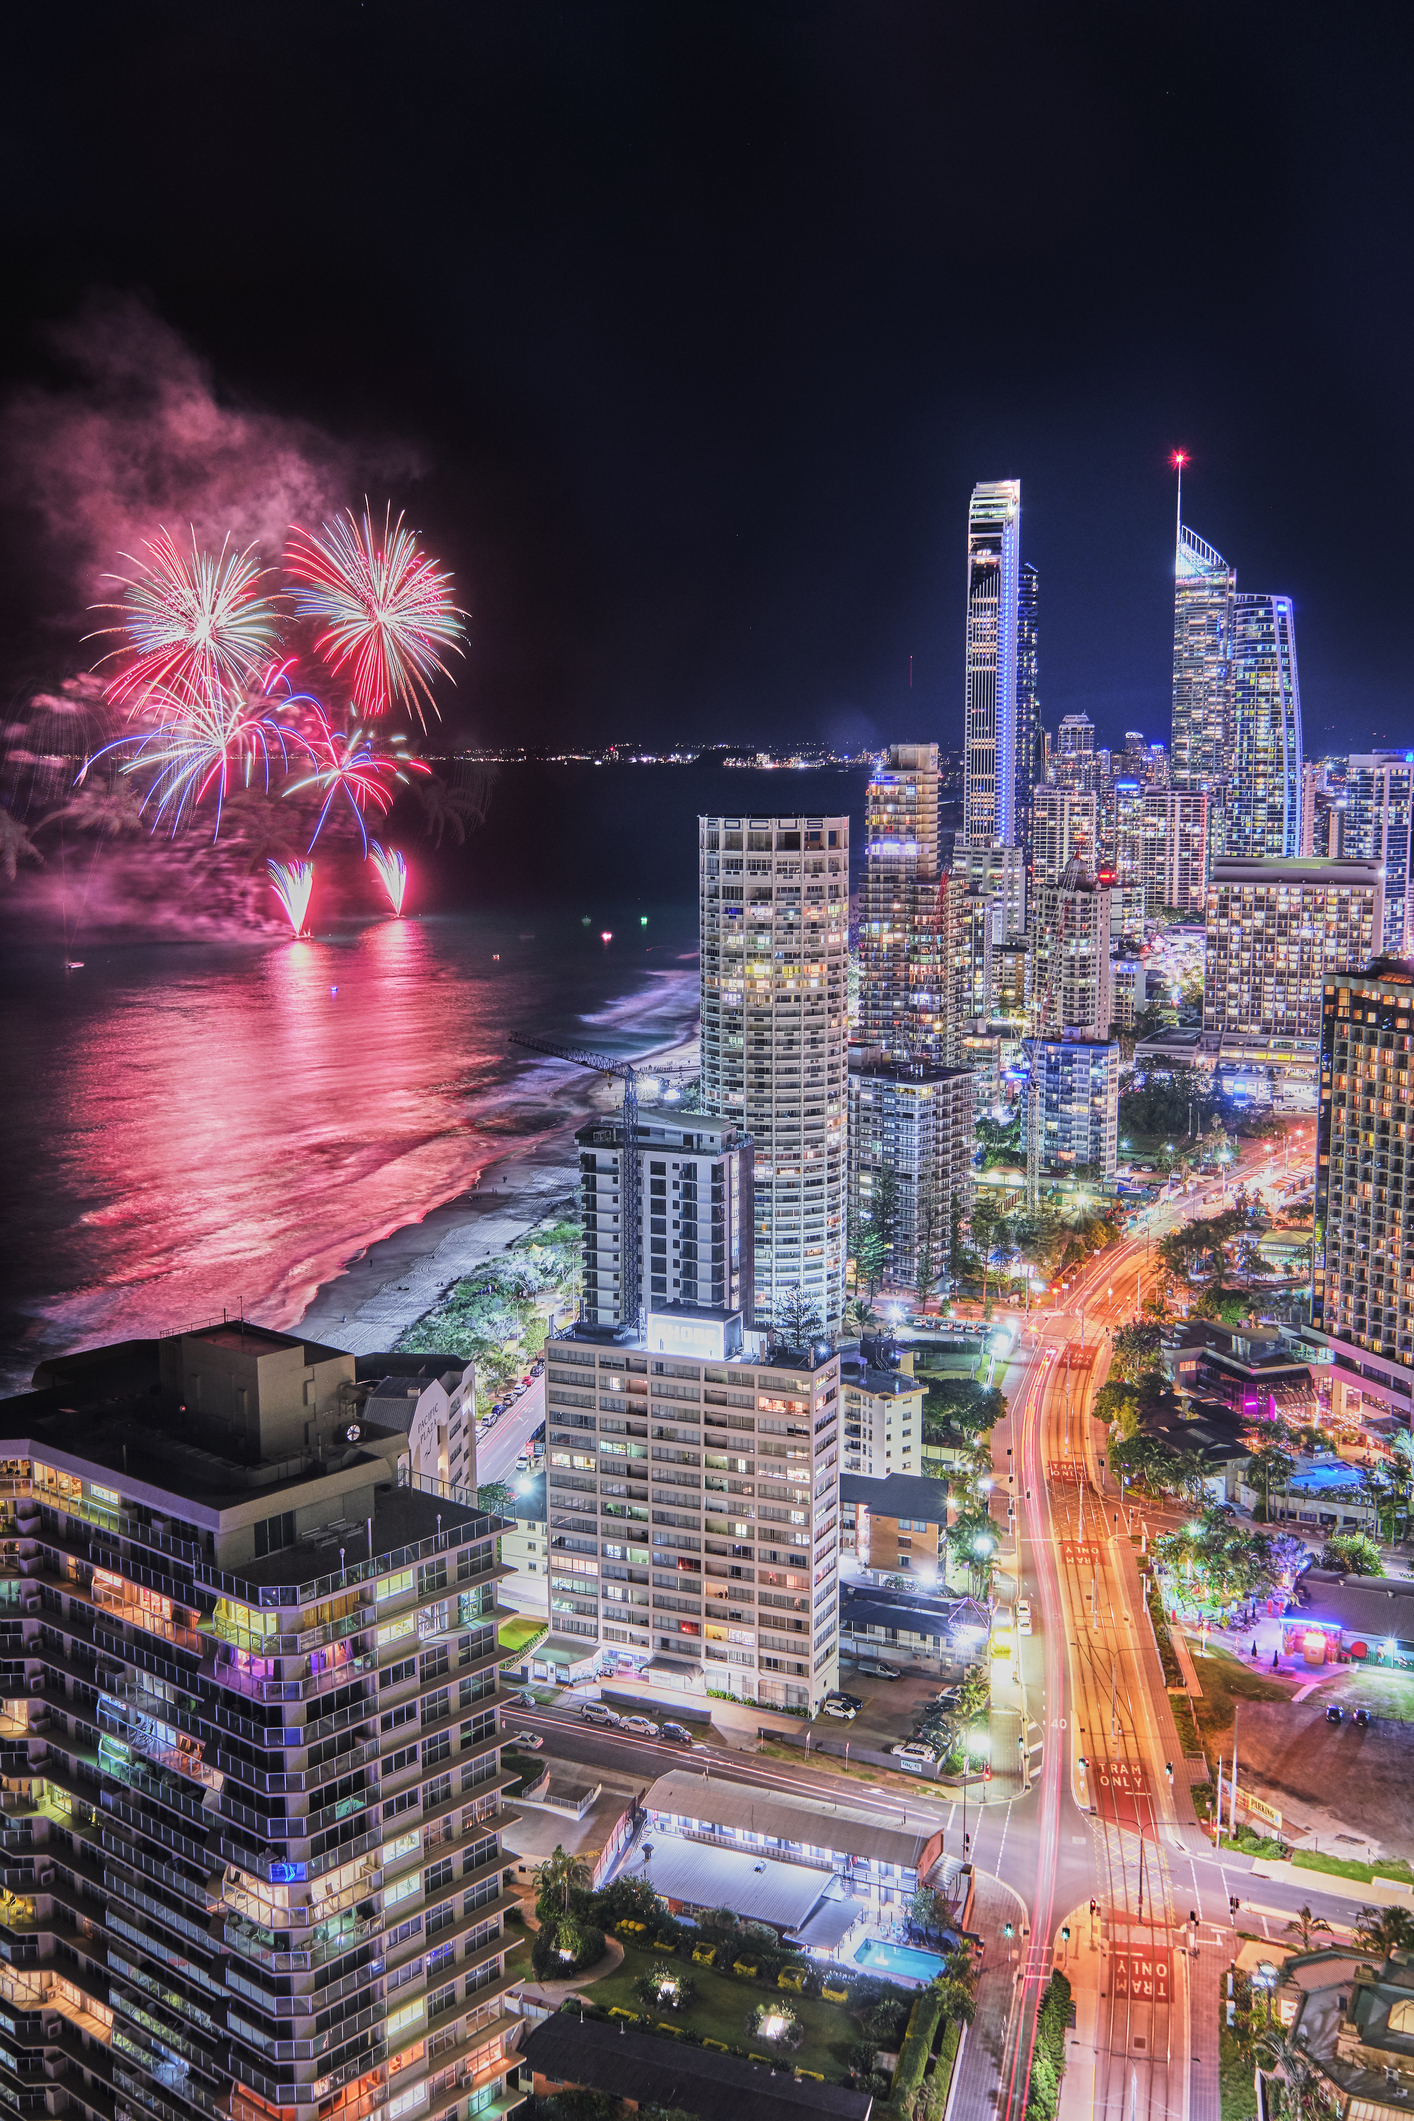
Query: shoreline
point(395, 1282)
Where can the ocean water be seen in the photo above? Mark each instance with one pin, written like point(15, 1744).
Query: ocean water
point(190, 1126)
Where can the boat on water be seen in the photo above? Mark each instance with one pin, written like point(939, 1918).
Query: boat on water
point(73, 964)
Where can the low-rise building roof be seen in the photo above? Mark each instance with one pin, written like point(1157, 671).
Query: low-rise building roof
point(813, 1823)
point(650, 2071)
point(912, 1495)
point(1377, 1608)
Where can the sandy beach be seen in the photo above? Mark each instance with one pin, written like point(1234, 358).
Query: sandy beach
point(390, 1285)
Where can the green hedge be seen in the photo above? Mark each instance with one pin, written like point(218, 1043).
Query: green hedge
point(917, 2046)
point(1048, 2060)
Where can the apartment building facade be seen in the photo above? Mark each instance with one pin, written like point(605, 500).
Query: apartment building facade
point(250, 1751)
point(693, 1516)
point(696, 1213)
point(915, 1123)
point(1363, 1288)
point(1277, 930)
point(774, 897)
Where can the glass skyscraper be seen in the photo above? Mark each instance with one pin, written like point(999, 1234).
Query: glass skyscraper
point(1264, 803)
point(993, 596)
point(1204, 588)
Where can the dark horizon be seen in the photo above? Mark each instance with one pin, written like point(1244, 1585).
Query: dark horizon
point(685, 337)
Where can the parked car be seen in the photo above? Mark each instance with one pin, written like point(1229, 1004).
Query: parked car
point(530, 1739)
point(914, 1750)
point(678, 1732)
point(1362, 1719)
point(525, 1699)
point(1335, 1713)
point(874, 1668)
point(1023, 1618)
point(855, 1701)
point(845, 1710)
point(595, 1712)
point(643, 1726)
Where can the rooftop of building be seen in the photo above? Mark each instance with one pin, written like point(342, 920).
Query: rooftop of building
point(393, 1401)
point(805, 1822)
point(1258, 1348)
point(104, 1412)
point(864, 1376)
point(1204, 1427)
point(668, 1127)
point(663, 2073)
point(913, 1495)
point(1295, 869)
point(911, 1613)
point(1375, 1606)
point(610, 1339)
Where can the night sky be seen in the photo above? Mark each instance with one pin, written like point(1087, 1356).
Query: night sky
point(684, 331)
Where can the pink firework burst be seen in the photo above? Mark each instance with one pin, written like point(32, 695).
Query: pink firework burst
point(385, 607)
point(292, 883)
point(355, 763)
point(192, 625)
point(392, 873)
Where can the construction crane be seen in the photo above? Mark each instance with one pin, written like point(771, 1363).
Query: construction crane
point(631, 1074)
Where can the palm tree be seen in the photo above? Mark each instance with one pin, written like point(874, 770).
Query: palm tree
point(1305, 1925)
point(1382, 1930)
point(16, 846)
point(557, 1874)
point(1279, 2052)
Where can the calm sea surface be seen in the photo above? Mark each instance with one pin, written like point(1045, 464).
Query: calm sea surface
point(190, 1126)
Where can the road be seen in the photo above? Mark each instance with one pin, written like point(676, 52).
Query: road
point(496, 1456)
point(1108, 1818)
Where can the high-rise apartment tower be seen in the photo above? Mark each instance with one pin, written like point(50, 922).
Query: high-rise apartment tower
point(1264, 799)
point(1278, 931)
point(775, 937)
point(902, 977)
point(253, 1792)
point(1379, 804)
point(1363, 1292)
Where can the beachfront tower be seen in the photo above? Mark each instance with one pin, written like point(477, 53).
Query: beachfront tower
point(775, 937)
point(902, 981)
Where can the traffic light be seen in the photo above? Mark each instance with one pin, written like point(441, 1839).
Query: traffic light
point(1168, 1770)
point(1193, 1914)
point(1065, 1933)
point(1232, 1904)
point(1008, 1929)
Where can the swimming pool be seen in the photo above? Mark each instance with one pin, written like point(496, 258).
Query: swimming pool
point(881, 1958)
point(1322, 1480)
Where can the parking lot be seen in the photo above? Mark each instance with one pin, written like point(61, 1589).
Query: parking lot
point(891, 1706)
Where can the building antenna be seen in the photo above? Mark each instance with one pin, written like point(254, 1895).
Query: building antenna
point(1179, 458)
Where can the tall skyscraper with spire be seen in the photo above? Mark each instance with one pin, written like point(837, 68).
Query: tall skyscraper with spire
point(1264, 796)
point(1204, 589)
point(993, 597)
